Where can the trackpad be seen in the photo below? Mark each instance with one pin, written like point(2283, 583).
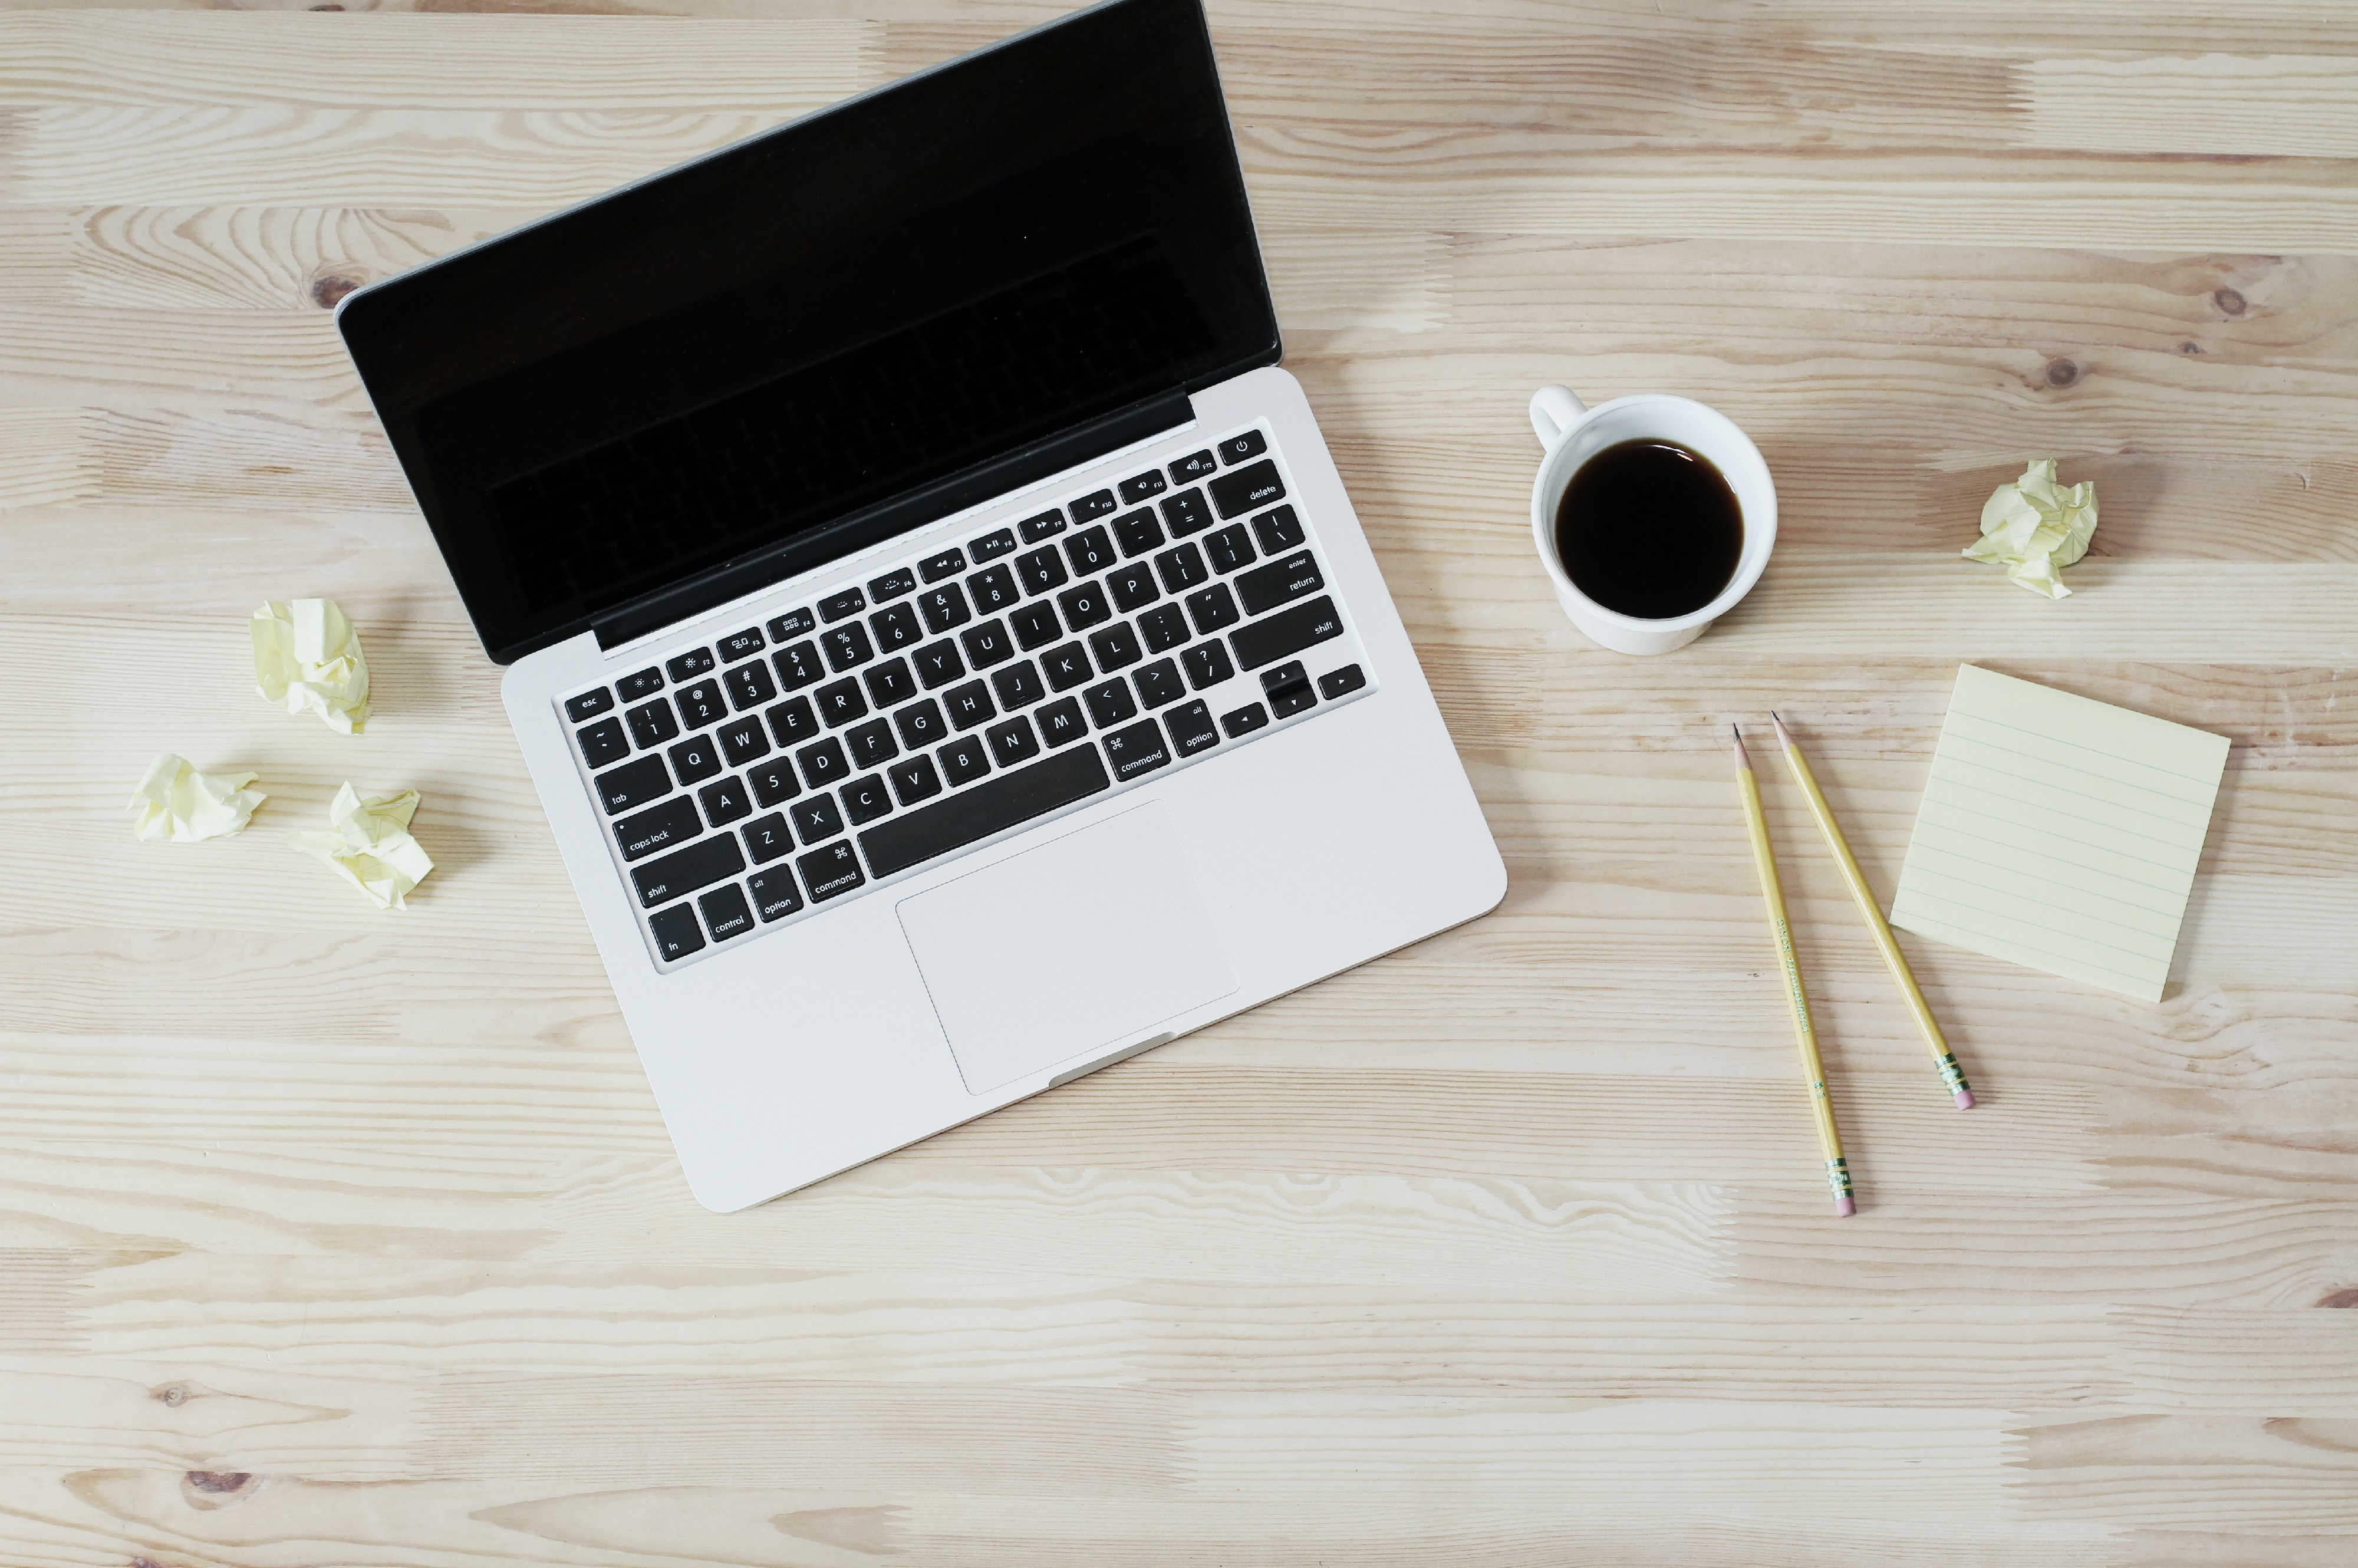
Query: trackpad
point(1079, 945)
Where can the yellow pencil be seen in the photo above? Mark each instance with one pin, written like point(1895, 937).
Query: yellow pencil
point(1942, 1057)
point(1765, 857)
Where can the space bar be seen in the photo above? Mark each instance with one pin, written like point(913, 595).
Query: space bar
point(989, 807)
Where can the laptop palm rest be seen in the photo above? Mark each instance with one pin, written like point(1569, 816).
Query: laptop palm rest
point(1078, 946)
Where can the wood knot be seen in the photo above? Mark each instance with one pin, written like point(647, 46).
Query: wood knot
point(330, 286)
point(219, 1481)
point(2190, 347)
point(2062, 372)
point(2347, 1297)
point(331, 7)
point(2229, 301)
point(174, 1395)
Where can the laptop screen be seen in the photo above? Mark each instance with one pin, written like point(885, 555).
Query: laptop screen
point(725, 368)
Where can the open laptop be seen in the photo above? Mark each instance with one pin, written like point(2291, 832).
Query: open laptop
point(936, 628)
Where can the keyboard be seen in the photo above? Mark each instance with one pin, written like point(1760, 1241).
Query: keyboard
point(855, 734)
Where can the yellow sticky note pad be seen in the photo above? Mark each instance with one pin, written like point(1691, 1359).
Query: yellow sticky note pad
point(2060, 833)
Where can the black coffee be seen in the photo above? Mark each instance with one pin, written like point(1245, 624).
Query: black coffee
point(1648, 528)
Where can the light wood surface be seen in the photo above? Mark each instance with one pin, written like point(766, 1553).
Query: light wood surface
point(335, 1236)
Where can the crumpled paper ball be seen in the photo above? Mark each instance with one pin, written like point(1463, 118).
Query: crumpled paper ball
point(175, 801)
point(2034, 526)
point(307, 657)
point(370, 846)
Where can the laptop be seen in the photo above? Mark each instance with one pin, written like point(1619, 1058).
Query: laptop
point(936, 628)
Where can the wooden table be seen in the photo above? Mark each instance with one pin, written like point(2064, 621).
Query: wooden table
point(335, 1236)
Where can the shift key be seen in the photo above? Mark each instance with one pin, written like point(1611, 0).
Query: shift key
point(1266, 588)
point(1286, 633)
point(684, 870)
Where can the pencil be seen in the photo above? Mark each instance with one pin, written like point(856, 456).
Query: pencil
point(1942, 1057)
point(1765, 857)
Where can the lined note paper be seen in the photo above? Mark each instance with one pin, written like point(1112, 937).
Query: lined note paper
point(2060, 833)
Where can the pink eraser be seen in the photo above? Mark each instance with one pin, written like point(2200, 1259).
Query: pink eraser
point(1844, 1207)
point(1965, 1100)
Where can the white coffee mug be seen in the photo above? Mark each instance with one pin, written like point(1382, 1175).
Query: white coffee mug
point(1573, 433)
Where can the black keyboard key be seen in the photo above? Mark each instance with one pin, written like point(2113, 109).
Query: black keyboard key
point(1017, 686)
point(588, 704)
point(1089, 551)
point(1342, 682)
point(676, 933)
point(750, 685)
point(816, 819)
point(1194, 466)
point(694, 759)
point(725, 801)
point(993, 807)
point(835, 606)
point(846, 647)
point(1287, 688)
point(1046, 525)
point(965, 759)
point(987, 645)
point(1266, 588)
point(896, 627)
point(1132, 587)
point(701, 703)
point(1089, 506)
point(891, 585)
point(823, 765)
point(1284, 675)
point(890, 684)
point(767, 837)
point(1066, 667)
point(993, 589)
point(1286, 632)
point(646, 683)
point(1061, 721)
point(725, 915)
point(657, 827)
point(1185, 514)
point(1137, 532)
point(742, 645)
point(773, 783)
point(793, 623)
point(1244, 720)
point(1229, 548)
point(633, 784)
point(870, 744)
point(832, 871)
point(991, 546)
point(914, 779)
point(1111, 703)
point(1242, 490)
point(1165, 627)
point(1191, 727)
point(1208, 664)
point(1213, 608)
point(944, 606)
point(866, 799)
point(798, 665)
point(1236, 448)
point(1041, 570)
point(742, 740)
point(950, 563)
point(774, 894)
point(603, 742)
point(690, 664)
point(683, 871)
point(652, 723)
point(1116, 646)
point(921, 724)
point(969, 705)
point(1159, 685)
point(1084, 606)
point(839, 702)
point(1035, 624)
point(1137, 750)
point(1012, 742)
point(793, 722)
point(1138, 486)
point(1278, 531)
point(938, 664)
point(1182, 569)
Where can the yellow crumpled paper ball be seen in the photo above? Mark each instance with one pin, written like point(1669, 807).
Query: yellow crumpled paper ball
point(177, 802)
point(307, 657)
point(369, 844)
point(2034, 526)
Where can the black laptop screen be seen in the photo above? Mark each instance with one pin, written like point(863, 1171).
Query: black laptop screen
point(720, 367)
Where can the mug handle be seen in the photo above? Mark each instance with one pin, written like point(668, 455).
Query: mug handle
point(1555, 411)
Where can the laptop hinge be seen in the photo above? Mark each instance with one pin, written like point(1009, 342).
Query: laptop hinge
point(749, 574)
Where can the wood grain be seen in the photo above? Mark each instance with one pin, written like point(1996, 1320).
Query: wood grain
point(327, 1236)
